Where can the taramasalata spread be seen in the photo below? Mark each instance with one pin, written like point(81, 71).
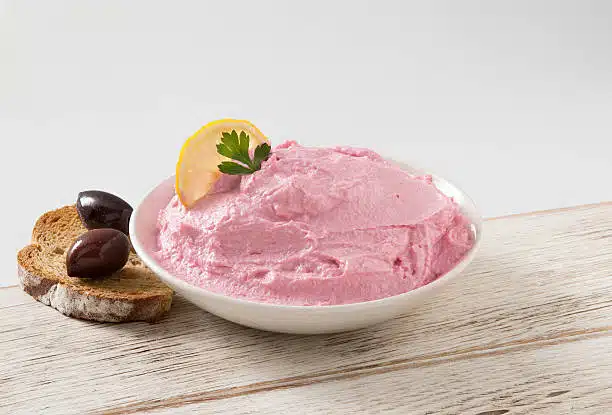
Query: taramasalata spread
point(315, 226)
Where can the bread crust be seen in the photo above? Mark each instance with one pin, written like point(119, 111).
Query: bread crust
point(132, 294)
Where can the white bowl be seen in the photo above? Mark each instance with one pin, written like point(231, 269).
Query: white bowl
point(285, 318)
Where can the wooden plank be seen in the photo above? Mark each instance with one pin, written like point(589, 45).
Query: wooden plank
point(563, 378)
point(538, 278)
point(13, 296)
point(554, 210)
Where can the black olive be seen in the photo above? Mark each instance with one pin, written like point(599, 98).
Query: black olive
point(97, 253)
point(99, 209)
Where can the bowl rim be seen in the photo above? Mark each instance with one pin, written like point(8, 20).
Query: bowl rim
point(456, 270)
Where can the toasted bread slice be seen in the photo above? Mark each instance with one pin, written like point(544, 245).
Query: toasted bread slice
point(131, 294)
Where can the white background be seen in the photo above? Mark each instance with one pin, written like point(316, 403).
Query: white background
point(512, 100)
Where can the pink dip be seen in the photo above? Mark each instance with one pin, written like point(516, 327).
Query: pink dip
point(315, 226)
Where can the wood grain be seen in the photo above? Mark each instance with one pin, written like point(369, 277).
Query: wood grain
point(522, 381)
point(540, 281)
point(554, 210)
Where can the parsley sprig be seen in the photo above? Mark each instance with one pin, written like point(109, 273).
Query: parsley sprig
point(236, 148)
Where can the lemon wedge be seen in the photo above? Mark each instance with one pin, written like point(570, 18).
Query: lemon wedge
point(197, 167)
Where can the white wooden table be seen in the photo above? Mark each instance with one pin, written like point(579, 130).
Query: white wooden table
point(527, 330)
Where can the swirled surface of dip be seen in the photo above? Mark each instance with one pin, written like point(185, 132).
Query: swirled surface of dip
point(315, 226)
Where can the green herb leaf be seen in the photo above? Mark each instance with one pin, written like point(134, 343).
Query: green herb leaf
point(224, 150)
point(231, 140)
point(244, 143)
point(236, 147)
point(229, 167)
point(231, 146)
point(262, 152)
